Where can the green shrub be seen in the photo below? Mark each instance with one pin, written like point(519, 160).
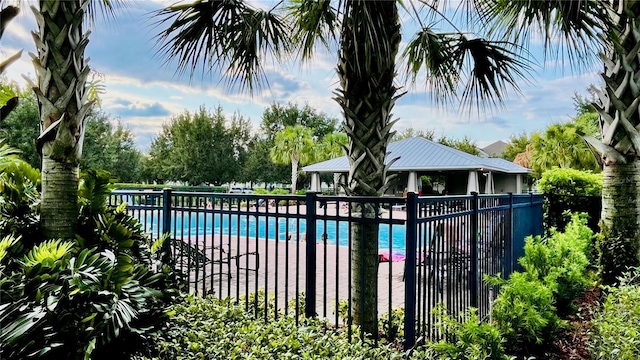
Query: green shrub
point(561, 261)
point(524, 313)
point(616, 328)
point(95, 297)
point(466, 338)
point(279, 191)
point(568, 191)
point(128, 186)
point(391, 325)
point(262, 305)
point(19, 197)
point(207, 328)
point(566, 181)
point(616, 255)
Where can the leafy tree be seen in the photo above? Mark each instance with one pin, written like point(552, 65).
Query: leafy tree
point(232, 37)
point(411, 132)
point(240, 131)
point(276, 117)
point(111, 147)
point(517, 145)
point(107, 146)
point(259, 166)
point(293, 145)
point(465, 144)
point(20, 128)
point(200, 147)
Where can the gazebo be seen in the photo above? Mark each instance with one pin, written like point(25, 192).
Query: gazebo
point(414, 157)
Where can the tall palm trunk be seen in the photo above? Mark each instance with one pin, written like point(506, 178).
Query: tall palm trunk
point(620, 121)
point(61, 71)
point(366, 68)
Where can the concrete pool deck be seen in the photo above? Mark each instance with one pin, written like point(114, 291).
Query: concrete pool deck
point(281, 271)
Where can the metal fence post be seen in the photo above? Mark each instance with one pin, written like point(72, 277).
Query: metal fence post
point(473, 283)
point(410, 272)
point(166, 219)
point(509, 250)
point(532, 229)
point(310, 274)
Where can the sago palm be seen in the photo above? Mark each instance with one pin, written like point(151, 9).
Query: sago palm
point(231, 37)
point(609, 31)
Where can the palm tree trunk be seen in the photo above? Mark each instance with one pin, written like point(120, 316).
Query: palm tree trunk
point(620, 198)
point(62, 72)
point(620, 121)
point(59, 209)
point(366, 68)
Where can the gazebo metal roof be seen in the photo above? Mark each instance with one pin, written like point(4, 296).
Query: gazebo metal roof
point(420, 154)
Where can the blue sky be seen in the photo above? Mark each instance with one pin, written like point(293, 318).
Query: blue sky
point(144, 93)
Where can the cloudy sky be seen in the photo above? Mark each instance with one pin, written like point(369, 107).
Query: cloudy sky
point(144, 93)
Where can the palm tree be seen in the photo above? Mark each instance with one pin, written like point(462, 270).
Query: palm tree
point(561, 145)
point(609, 30)
point(62, 70)
point(231, 37)
point(293, 145)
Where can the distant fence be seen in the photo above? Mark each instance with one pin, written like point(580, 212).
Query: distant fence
point(296, 250)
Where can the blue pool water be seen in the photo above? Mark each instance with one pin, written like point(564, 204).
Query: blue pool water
point(271, 228)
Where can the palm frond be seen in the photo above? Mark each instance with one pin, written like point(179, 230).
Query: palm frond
point(312, 21)
point(6, 14)
point(494, 70)
point(567, 27)
point(107, 8)
point(226, 36)
point(433, 54)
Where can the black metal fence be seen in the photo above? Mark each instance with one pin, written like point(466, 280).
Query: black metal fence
point(291, 254)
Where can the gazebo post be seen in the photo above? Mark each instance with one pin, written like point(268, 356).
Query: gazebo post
point(472, 183)
point(315, 182)
point(412, 182)
point(488, 186)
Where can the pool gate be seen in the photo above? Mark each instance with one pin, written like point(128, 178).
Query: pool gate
point(289, 254)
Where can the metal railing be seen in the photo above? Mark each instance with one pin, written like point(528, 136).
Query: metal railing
point(278, 254)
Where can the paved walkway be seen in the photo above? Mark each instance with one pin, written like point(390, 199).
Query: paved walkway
point(282, 269)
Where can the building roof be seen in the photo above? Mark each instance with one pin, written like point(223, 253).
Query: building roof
point(496, 149)
point(420, 154)
point(507, 166)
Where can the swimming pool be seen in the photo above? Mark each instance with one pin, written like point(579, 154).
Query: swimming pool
point(271, 228)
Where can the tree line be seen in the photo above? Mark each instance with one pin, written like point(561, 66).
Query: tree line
point(206, 147)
